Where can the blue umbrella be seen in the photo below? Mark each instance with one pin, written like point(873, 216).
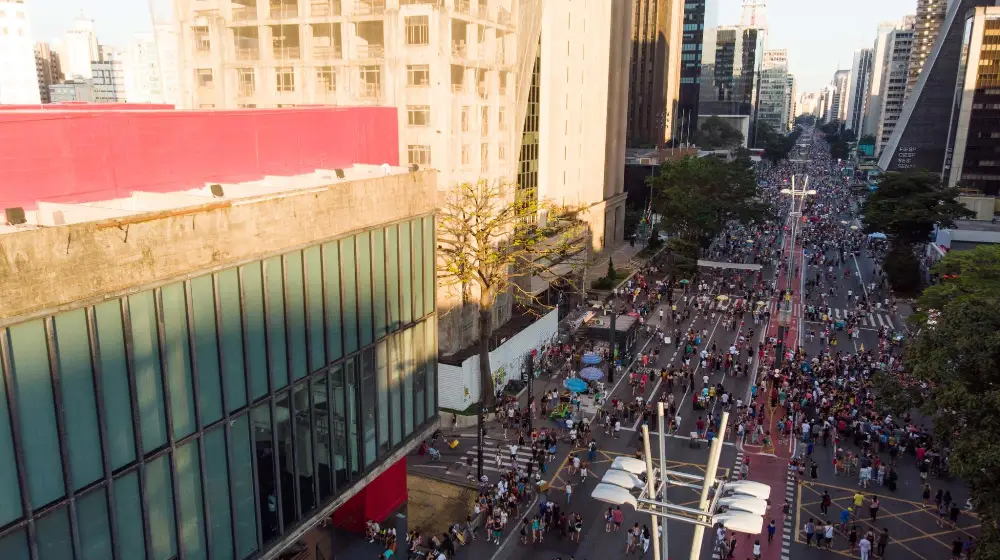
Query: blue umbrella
point(591, 358)
point(591, 374)
point(575, 385)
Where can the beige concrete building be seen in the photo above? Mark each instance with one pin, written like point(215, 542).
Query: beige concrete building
point(583, 102)
point(927, 24)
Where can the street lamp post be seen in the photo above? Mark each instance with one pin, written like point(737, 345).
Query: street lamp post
point(784, 317)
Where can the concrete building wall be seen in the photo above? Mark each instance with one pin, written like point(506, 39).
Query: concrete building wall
point(930, 15)
point(46, 269)
point(892, 89)
point(880, 51)
point(18, 72)
point(857, 100)
point(772, 107)
point(81, 48)
point(654, 78)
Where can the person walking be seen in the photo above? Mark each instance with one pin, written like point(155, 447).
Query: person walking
point(771, 528)
point(810, 530)
point(873, 508)
point(865, 547)
point(824, 504)
point(883, 541)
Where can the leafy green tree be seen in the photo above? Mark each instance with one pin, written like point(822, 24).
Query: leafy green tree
point(716, 133)
point(907, 206)
point(958, 358)
point(699, 196)
point(962, 274)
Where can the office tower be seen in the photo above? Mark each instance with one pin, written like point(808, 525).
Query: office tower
point(920, 138)
point(150, 68)
point(81, 48)
point(841, 81)
point(892, 86)
point(873, 107)
point(971, 159)
point(826, 100)
point(790, 101)
point(731, 63)
point(808, 103)
point(108, 80)
point(772, 107)
point(691, 49)
point(584, 56)
point(927, 23)
point(18, 70)
point(48, 69)
point(72, 91)
point(857, 89)
point(654, 77)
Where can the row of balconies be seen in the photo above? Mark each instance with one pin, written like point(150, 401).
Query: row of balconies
point(460, 51)
point(332, 8)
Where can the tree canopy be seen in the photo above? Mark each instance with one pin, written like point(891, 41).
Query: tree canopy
point(702, 195)
point(716, 133)
point(907, 206)
point(485, 234)
point(957, 356)
point(776, 146)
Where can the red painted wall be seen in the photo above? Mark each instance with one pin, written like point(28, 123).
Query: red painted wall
point(376, 501)
point(87, 155)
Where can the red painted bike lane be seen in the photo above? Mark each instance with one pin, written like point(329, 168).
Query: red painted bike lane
point(771, 466)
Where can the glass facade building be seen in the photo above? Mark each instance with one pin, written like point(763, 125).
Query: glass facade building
point(207, 417)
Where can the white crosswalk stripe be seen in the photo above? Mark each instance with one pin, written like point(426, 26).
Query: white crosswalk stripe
point(871, 320)
point(490, 454)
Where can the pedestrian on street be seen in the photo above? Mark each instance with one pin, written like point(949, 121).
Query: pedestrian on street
point(771, 528)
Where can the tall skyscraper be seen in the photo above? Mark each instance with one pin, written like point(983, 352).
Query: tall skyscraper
point(773, 106)
point(920, 138)
point(927, 23)
point(655, 74)
point(790, 101)
point(857, 89)
point(808, 103)
point(827, 97)
point(841, 81)
point(732, 57)
point(18, 72)
point(892, 86)
point(695, 12)
point(48, 68)
point(108, 80)
point(873, 107)
point(81, 48)
point(971, 159)
point(150, 68)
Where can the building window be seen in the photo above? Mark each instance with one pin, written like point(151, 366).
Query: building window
point(418, 75)
point(484, 120)
point(418, 115)
point(204, 77)
point(502, 115)
point(247, 105)
point(245, 81)
point(371, 80)
point(419, 154)
point(502, 152)
point(326, 80)
point(465, 154)
point(202, 41)
point(465, 118)
point(484, 157)
point(206, 106)
point(285, 78)
point(417, 30)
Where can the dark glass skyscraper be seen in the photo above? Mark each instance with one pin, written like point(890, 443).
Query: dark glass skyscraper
point(693, 40)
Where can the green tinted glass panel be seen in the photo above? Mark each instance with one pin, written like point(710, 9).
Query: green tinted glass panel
point(334, 321)
point(217, 490)
point(392, 274)
point(418, 378)
point(348, 276)
point(369, 390)
point(10, 493)
point(383, 371)
point(314, 306)
point(417, 250)
point(14, 546)
point(37, 412)
point(321, 435)
point(295, 300)
point(231, 322)
point(339, 419)
point(53, 537)
point(353, 413)
point(76, 380)
point(378, 281)
point(430, 265)
point(192, 529)
point(159, 501)
point(93, 525)
point(365, 288)
point(395, 404)
point(277, 356)
point(405, 274)
point(406, 372)
point(241, 476)
point(206, 349)
point(146, 367)
point(256, 343)
point(119, 438)
point(177, 359)
point(128, 516)
point(430, 364)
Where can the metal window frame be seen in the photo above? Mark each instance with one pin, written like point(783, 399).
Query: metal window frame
point(296, 496)
point(171, 445)
point(307, 301)
point(55, 384)
point(19, 456)
point(200, 429)
point(221, 353)
point(270, 398)
point(248, 390)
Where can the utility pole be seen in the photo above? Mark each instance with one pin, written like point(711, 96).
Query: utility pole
point(529, 379)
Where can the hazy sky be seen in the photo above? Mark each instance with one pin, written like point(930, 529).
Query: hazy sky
point(820, 35)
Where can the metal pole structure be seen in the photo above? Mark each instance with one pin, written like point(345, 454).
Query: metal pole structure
point(529, 364)
point(651, 485)
point(480, 439)
point(663, 472)
point(612, 328)
point(713, 465)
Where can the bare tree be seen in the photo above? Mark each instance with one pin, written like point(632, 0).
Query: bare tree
point(490, 234)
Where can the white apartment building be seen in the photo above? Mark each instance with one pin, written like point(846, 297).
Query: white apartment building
point(108, 81)
point(857, 89)
point(18, 74)
point(808, 104)
point(790, 100)
point(80, 48)
point(773, 103)
point(892, 89)
point(841, 81)
point(150, 67)
point(873, 107)
point(583, 107)
point(826, 104)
